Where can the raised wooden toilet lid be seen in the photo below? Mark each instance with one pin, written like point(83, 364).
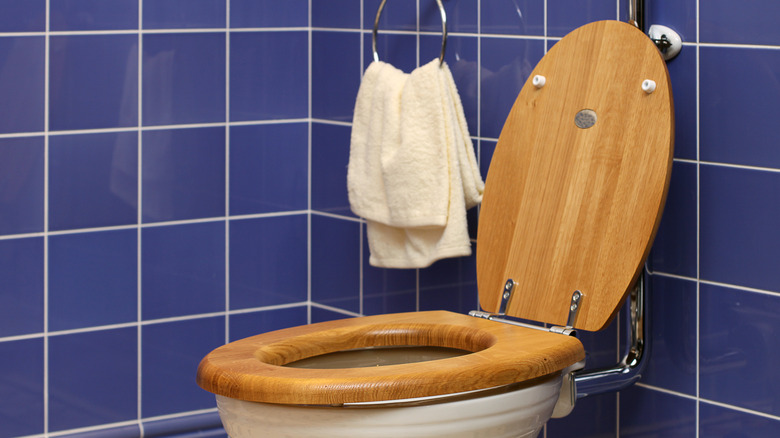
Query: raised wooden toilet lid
point(565, 208)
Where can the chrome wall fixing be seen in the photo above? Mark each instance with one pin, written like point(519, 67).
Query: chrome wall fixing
point(667, 40)
point(634, 362)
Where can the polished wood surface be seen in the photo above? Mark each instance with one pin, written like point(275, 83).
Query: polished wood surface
point(567, 208)
point(251, 369)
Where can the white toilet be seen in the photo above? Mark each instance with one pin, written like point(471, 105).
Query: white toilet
point(571, 206)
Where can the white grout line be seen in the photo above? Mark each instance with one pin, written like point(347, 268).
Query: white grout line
point(138, 226)
point(698, 222)
point(334, 309)
point(46, 100)
point(309, 65)
point(227, 171)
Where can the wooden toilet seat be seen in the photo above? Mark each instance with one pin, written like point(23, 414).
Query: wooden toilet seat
point(251, 369)
point(572, 203)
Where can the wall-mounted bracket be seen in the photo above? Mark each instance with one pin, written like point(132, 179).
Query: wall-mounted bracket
point(667, 40)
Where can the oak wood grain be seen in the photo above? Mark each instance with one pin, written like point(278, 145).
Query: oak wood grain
point(251, 369)
point(567, 208)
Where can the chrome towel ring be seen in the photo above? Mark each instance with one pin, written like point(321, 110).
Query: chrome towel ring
point(443, 30)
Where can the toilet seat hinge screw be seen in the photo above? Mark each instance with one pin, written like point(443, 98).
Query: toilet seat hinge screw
point(505, 296)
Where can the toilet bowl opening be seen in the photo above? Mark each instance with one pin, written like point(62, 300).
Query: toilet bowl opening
point(377, 356)
point(374, 345)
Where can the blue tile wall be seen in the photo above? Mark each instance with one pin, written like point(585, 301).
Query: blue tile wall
point(172, 177)
point(93, 180)
point(81, 366)
point(22, 196)
point(21, 387)
point(72, 15)
point(21, 83)
point(93, 81)
point(93, 279)
point(171, 93)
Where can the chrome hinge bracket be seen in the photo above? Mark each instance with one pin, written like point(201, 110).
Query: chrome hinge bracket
point(574, 310)
point(505, 296)
point(574, 307)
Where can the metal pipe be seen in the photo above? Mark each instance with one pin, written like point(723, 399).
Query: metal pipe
point(636, 13)
point(634, 362)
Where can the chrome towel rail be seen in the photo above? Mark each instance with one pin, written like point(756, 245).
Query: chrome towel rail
point(443, 30)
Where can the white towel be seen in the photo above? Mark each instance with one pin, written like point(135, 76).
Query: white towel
point(412, 182)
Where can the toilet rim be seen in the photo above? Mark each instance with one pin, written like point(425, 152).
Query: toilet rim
point(251, 369)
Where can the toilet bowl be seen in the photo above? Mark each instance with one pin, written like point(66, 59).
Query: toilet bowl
point(572, 202)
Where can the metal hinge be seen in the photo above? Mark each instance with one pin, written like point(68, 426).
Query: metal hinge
point(506, 294)
point(574, 310)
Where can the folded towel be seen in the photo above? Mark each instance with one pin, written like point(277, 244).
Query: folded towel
point(397, 172)
point(427, 172)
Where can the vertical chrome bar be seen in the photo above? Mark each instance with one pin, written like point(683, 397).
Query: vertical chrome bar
point(636, 13)
point(633, 364)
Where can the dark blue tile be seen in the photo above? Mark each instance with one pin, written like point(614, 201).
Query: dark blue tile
point(269, 13)
point(564, 16)
point(93, 180)
point(183, 175)
point(93, 378)
point(94, 81)
point(21, 190)
point(21, 291)
point(170, 355)
point(733, 119)
point(672, 361)
point(70, 15)
point(268, 261)
point(461, 57)
point(323, 315)
point(680, 15)
point(330, 155)
point(249, 324)
point(461, 16)
point(738, 335)
point(749, 23)
point(682, 72)
point(486, 150)
point(396, 15)
point(22, 84)
point(22, 16)
point(258, 92)
point(601, 347)
point(450, 284)
point(21, 388)
point(93, 279)
point(176, 14)
point(335, 262)
point(674, 249)
point(719, 422)
point(646, 413)
point(335, 74)
point(183, 270)
point(739, 236)
point(387, 290)
point(592, 417)
point(336, 13)
point(206, 425)
point(130, 431)
point(524, 17)
point(399, 50)
point(269, 168)
point(183, 78)
point(506, 65)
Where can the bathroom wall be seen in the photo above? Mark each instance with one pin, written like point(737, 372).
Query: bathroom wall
point(172, 177)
